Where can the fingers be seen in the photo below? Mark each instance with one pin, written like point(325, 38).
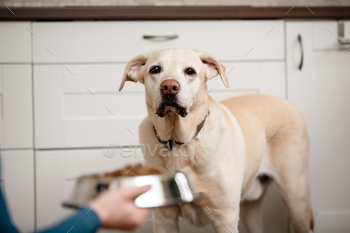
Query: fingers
point(135, 192)
point(145, 212)
point(143, 215)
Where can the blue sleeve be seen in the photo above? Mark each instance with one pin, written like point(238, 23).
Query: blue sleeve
point(84, 221)
point(5, 221)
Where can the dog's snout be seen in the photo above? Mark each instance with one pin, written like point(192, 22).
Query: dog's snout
point(170, 87)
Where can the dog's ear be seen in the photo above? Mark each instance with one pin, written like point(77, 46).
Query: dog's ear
point(133, 70)
point(213, 67)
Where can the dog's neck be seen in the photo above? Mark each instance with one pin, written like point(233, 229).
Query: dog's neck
point(177, 128)
point(169, 144)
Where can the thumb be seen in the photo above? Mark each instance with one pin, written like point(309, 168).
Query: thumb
point(135, 192)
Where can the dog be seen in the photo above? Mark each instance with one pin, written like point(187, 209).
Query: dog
point(233, 148)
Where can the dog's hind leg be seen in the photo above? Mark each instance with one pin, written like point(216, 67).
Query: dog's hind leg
point(296, 197)
point(292, 175)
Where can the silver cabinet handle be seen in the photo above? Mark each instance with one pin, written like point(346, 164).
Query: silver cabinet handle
point(341, 33)
point(302, 52)
point(343, 40)
point(162, 37)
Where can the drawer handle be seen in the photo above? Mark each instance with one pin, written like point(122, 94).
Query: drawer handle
point(302, 52)
point(164, 37)
point(343, 40)
point(341, 33)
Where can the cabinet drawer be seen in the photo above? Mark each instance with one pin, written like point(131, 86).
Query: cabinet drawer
point(57, 170)
point(15, 42)
point(79, 106)
point(249, 78)
point(79, 42)
point(85, 109)
point(16, 121)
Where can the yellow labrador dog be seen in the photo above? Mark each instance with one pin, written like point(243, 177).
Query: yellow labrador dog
point(229, 149)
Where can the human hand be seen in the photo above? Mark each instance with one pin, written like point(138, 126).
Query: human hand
point(117, 208)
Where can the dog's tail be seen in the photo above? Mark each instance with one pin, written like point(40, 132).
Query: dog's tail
point(312, 224)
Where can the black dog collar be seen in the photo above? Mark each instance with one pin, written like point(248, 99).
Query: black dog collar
point(169, 144)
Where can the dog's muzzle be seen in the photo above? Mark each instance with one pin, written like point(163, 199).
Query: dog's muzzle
point(169, 90)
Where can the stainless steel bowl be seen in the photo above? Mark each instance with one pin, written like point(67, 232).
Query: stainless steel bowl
point(166, 190)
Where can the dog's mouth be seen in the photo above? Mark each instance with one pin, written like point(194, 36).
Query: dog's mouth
point(170, 106)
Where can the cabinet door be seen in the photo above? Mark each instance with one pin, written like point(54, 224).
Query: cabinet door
point(15, 42)
point(17, 178)
point(16, 120)
point(299, 81)
point(57, 170)
point(331, 134)
point(321, 91)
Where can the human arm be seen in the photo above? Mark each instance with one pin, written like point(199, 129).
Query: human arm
point(115, 209)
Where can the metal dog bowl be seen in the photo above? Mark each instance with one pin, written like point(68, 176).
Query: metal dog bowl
point(166, 190)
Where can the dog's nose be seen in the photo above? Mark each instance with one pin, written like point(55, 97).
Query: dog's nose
point(170, 87)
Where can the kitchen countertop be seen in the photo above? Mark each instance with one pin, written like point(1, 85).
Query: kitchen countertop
point(255, 3)
point(171, 12)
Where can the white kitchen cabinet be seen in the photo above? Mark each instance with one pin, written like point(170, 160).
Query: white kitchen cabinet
point(77, 69)
point(17, 178)
point(97, 42)
point(57, 170)
point(321, 90)
point(15, 42)
point(16, 109)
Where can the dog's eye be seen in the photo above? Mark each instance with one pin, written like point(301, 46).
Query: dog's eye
point(155, 70)
point(190, 71)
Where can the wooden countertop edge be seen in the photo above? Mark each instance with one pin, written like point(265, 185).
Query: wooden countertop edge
point(173, 13)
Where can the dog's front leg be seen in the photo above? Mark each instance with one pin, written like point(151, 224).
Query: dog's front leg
point(223, 212)
point(166, 219)
point(223, 221)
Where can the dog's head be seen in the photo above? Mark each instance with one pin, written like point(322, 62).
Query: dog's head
point(174, 79)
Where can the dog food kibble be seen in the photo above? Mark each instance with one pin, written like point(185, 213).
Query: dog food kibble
point(137, 170)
